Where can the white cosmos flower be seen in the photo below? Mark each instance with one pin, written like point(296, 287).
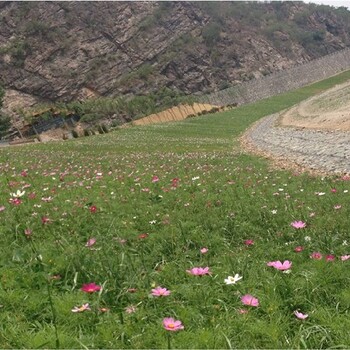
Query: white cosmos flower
point(233, 280)
point(18, 194)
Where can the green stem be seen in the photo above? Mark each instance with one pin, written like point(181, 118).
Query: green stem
point(53, 315)
point(169, 341)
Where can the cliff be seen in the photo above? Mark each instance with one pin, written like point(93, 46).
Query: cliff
point(61, 51)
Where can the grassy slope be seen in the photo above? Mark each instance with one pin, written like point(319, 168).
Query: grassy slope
point(222, 198)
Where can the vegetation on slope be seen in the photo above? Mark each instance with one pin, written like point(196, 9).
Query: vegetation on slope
point(92, 227)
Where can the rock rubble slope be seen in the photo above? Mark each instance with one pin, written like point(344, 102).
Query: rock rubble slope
point(313, 135)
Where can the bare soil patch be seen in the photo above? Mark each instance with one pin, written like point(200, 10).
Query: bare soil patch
point(329, 110)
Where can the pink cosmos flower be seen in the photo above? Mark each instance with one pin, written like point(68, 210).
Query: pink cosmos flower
point(143, 235)
point(90, 242)
point(242, 311)
point(316, 255)
point(90, 288)
point(174, 182)
point(31, 195)
point(82, 308)
point(330, 257)
point(130, 309)
point(345, 257)
point(45, 220)
point(336, 207)
point(172, 325)
point(300, 315)
point(248, 242)
point(159, 292)
point(155, 179)
point(199, 271)
point(298, 224)
point(204, 250)
point(250, 300)
point(286, 265)
point(299, 249)
point(2, 208)
point(28, 232)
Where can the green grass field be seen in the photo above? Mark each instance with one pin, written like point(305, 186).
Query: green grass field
point(132, 210)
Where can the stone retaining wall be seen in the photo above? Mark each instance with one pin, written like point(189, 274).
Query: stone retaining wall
point(282, 81)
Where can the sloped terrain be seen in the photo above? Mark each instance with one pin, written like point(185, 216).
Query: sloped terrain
point(61, 51)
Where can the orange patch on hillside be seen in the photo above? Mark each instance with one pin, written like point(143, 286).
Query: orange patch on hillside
point(174, 114)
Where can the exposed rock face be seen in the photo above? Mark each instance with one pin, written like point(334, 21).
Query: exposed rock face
point(60, 51)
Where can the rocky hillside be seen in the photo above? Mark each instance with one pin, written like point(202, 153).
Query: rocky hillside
point(61, 51)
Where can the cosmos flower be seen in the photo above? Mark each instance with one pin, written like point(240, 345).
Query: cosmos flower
point(90, 288)
point(233, 280)
point(82, 308)
point(155, 179)
point(298, 224)
point(300, 315)
point(172, 325)
point(159, 292)
point(18, 194)
point(204, 250)
point(316, 255)
point(286, 265)
point(90, 242)
point(199, 271)
point(250, 300)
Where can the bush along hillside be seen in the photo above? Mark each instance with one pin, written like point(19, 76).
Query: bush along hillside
point(97, 111)
point(169, 236)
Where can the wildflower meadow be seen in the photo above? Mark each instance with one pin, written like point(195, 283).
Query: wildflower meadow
point(172, 236)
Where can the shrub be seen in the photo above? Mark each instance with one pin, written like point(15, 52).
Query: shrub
point(100, 129)
point(104, 128)
point(211, 34)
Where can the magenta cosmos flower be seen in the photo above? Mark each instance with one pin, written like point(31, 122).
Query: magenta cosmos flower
point(298, 224)
point(90, 288)
point(199, 271)
point(160, 292)
point(250, 300)
point(330, 257)
point(286, 265)
point(248, 242)
point(172, 325)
